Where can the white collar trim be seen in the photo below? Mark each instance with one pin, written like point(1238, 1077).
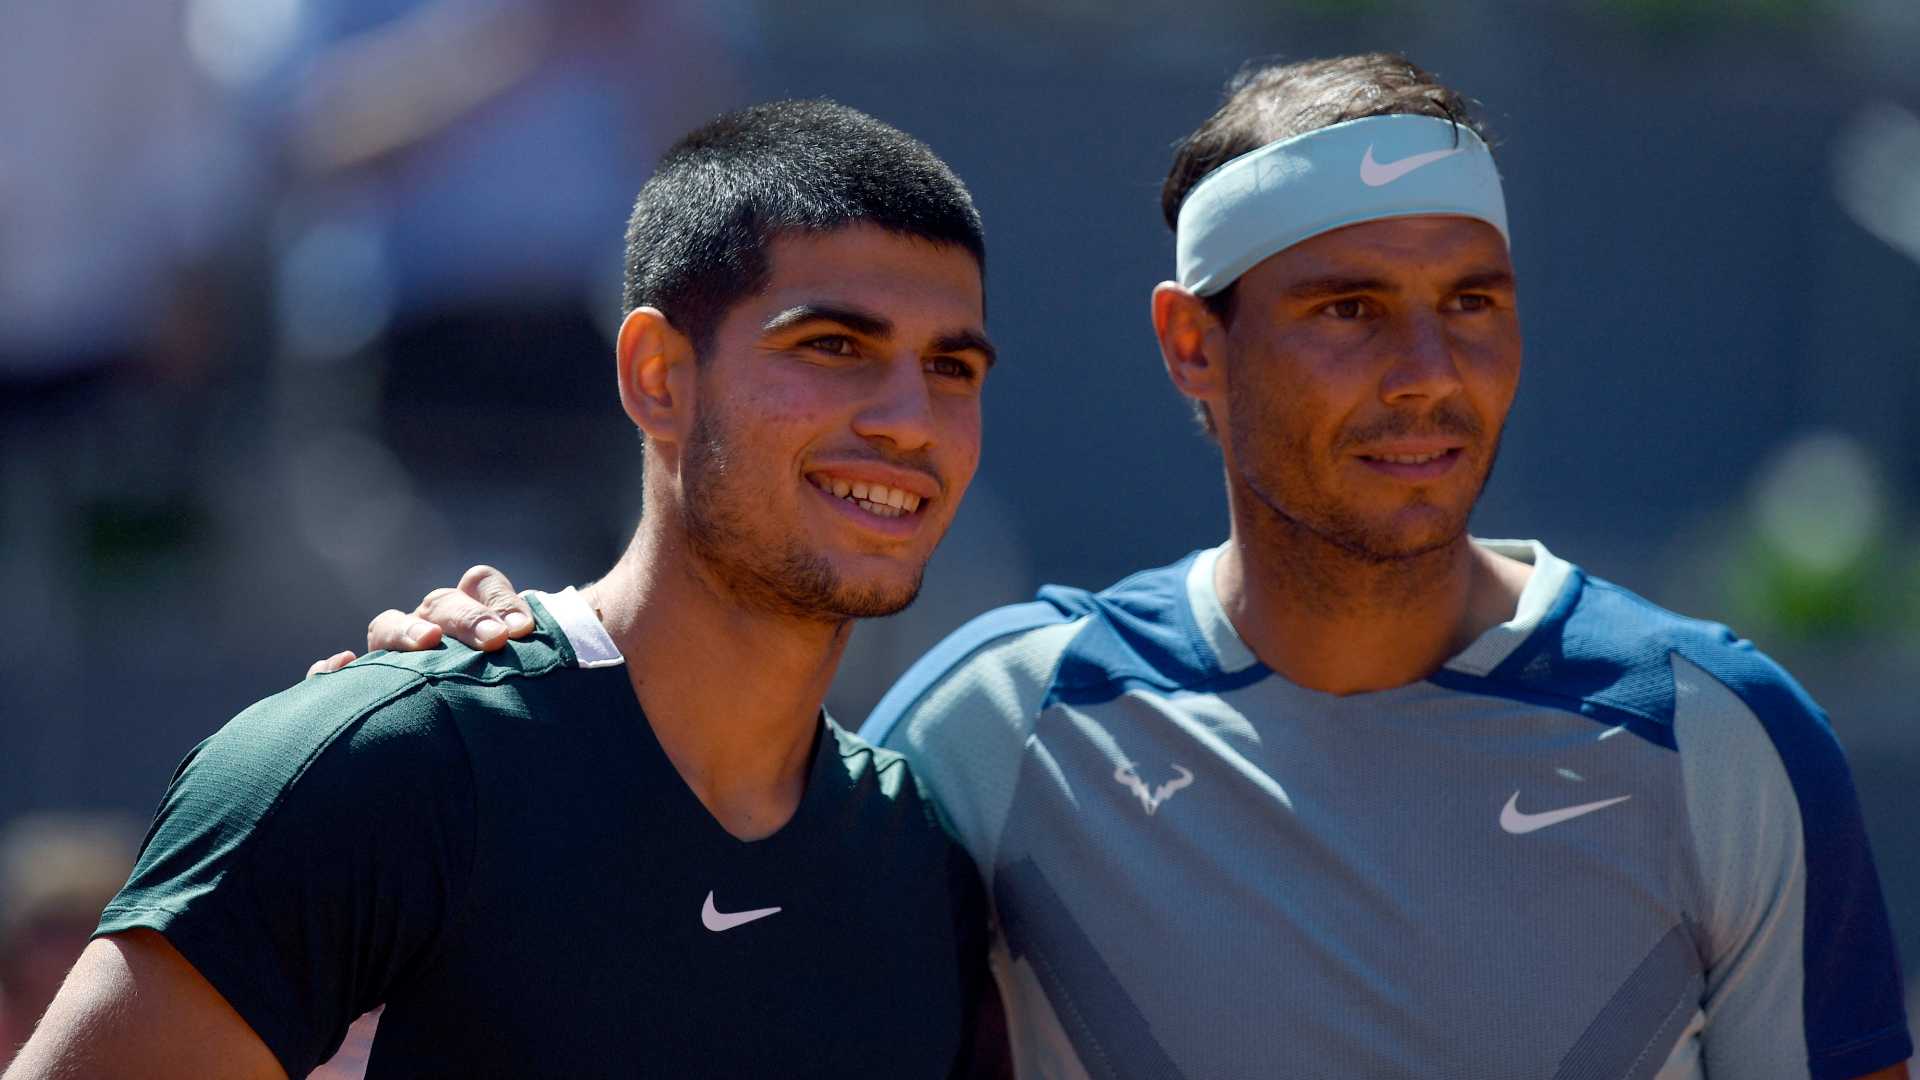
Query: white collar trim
point(592, 646)
point(1550, 574)
point(1215, 627)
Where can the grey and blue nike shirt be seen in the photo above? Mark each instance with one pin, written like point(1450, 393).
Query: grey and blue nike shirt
point(1603, 841)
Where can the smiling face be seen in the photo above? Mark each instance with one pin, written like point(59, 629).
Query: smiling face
point(1368, 372)
point(837, 423)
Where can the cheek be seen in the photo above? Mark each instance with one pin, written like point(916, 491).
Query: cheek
point(1493, 377)
point(777, 404)
point(1288, 398)
point(959, 442)
point(774, 413)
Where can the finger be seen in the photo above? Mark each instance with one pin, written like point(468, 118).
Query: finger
point(491, 587)
point(331, 664)
point(465, 618)
point(397, 631)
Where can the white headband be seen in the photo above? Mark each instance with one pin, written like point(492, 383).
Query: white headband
point(1268, 200)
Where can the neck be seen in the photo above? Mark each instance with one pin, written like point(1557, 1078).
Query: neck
point(1332, 620)
point(733, 693)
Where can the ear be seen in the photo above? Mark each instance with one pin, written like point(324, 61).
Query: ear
point(655, 367)
point(1192, 343)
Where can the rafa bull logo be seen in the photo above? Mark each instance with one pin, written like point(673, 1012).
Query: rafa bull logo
point(1151, 798)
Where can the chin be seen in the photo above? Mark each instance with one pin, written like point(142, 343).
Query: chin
point(1408, 536)
point(1406, 533)
point(863, 593)
point(854, 603)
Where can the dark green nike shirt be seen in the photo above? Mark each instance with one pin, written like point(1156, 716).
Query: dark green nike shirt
point(495, 847)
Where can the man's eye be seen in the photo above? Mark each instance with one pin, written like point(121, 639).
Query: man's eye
point(1347, 309)
point(1472, 302)
point(837, 344)
point(950, 366)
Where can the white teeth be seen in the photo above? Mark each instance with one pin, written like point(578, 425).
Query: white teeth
point(877, 499)
point(1410, 459)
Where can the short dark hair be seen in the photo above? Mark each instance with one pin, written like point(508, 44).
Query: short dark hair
point(1269, 102)
point(697, 241)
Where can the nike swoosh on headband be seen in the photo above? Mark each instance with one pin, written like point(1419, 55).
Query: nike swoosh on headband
point(1375, 174)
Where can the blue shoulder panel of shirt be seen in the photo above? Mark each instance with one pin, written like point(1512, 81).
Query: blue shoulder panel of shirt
point(1600, 652)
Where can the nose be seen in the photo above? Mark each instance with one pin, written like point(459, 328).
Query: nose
point(900, 409)
point(1423, 365)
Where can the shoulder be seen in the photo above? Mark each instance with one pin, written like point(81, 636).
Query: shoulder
point(963, 712)
point(322, 751)
point(867, 766)
point(541, 653)
point(399, 696)
point(1068, 644)
point(997, 662)
point(277, 739)
point(381, 730)
point(309, 849)
point(1621, 659)
point(886, 806)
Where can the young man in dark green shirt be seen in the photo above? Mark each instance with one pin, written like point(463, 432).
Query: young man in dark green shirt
point(630, 843)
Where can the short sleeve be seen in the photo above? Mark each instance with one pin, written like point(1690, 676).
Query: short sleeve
point(1802, 978)
point(962, 713)
point(310, 854)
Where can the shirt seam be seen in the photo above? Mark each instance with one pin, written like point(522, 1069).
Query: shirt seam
point(1030, 723)
point(457, 910)
point(1702, 890)
point(244, 864)
point(548, 668)
point(280, 797)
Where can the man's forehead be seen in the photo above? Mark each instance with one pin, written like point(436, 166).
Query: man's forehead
point(1427, 243)
point(859, 243)
point(904, 278)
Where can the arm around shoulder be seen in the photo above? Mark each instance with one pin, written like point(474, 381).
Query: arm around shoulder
point(134, 1007)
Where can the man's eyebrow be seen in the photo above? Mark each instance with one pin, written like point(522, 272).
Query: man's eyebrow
point(1484, 279)
point(1337, 285)
point(860, 322)
point(966, 341)
point(877, 326)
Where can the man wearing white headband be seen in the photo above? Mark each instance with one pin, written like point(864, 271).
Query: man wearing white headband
point(1354, 794)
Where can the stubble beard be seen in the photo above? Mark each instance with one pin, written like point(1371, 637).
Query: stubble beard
point(1293, 506)
point(778, 575)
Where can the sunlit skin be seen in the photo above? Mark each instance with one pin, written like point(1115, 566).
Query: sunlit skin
point(1349, 571)
point(862, 360)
